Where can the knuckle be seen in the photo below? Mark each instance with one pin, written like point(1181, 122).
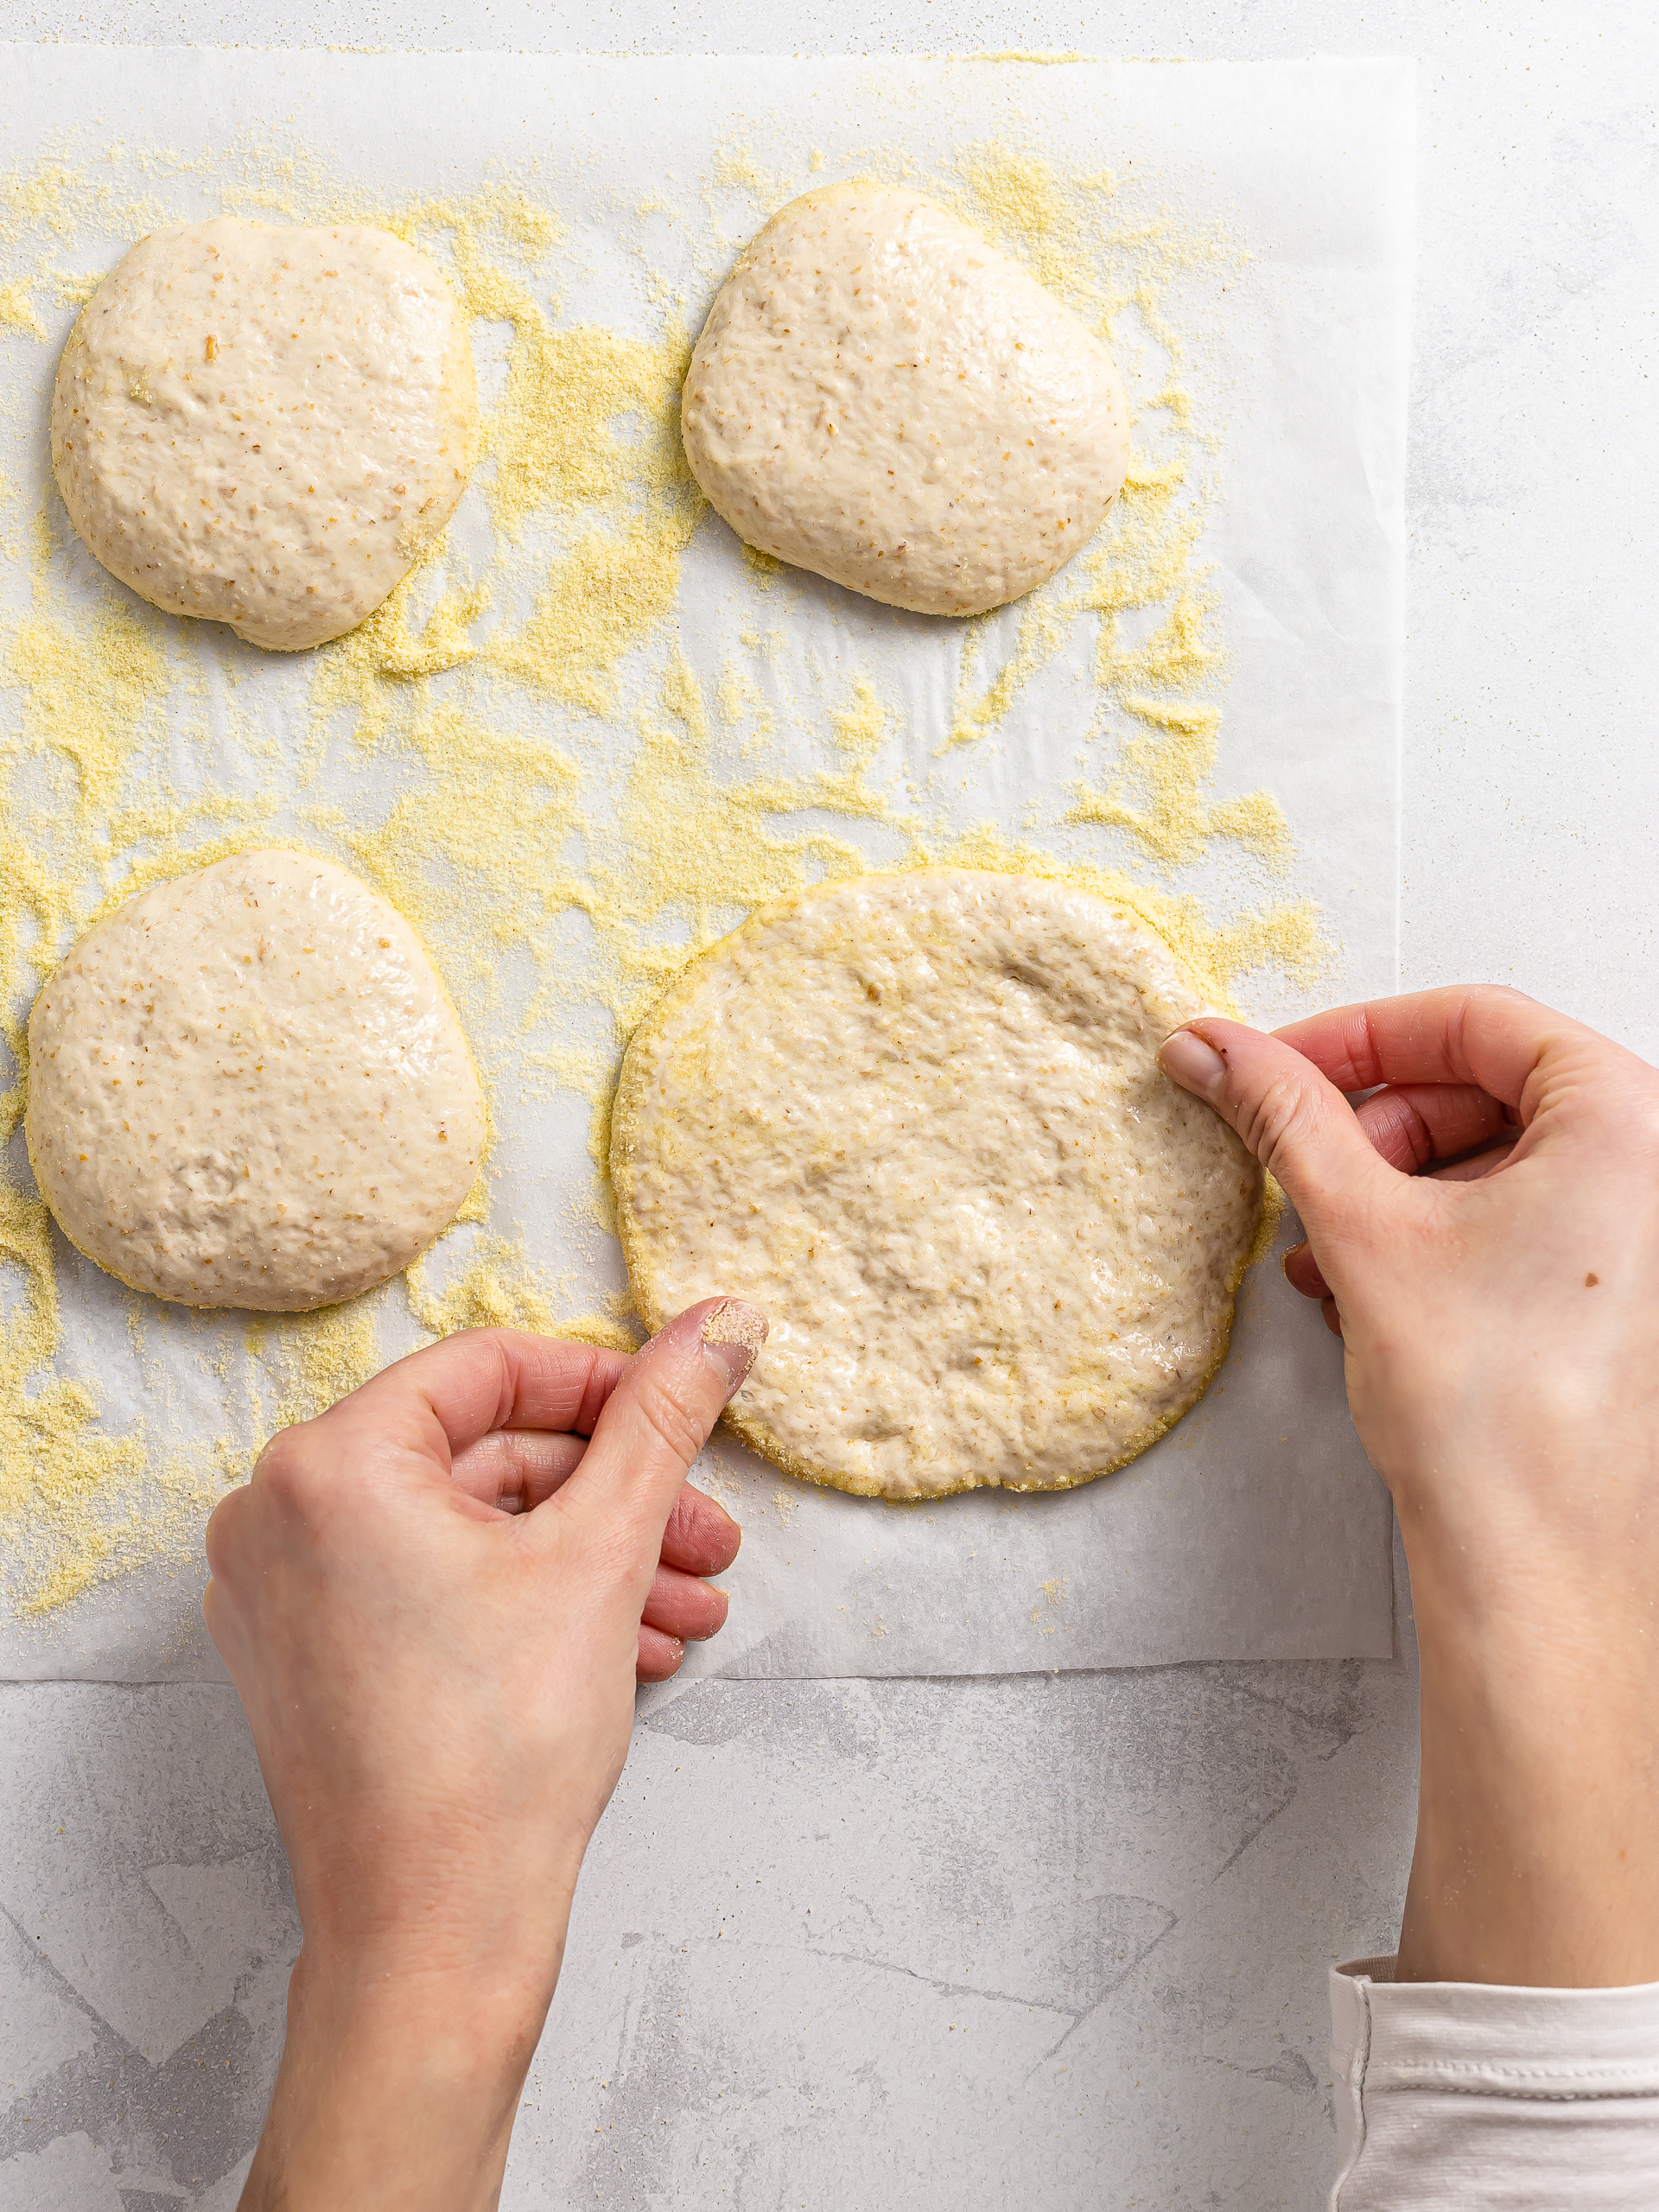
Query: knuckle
point(1278, 1122)
point(673, 1423)
point(1473, 1005)
point(1637, 1132)
point(284, 1469)
point(218, 1538)
point(688, 1519)
point(617, 1555)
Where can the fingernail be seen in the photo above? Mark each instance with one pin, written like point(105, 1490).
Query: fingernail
point(732, 1334)
point(1186, 1059)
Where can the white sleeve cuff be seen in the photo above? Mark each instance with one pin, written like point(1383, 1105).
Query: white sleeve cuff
point(1466, 2094)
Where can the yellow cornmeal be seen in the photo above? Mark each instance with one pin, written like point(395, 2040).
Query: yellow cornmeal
point(742, 700)
point(1018, 198)
point(309, 1356)
point(16, 313)
point(495, 1290)
point(57, 1473)
point(601, 601)
point(369, 669)
point(550, 445)
point(551, 435)
point(858, 729)
point(83, 695)
point(501, 807)
point(1217, 954)
point(1174, 763)
point(735, 165)
point(497, 832)
point(1147, 560)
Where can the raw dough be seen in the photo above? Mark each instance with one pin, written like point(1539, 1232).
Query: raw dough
point(878, 395)
point(917, 1120)
point(265, 426)
point(248, 1087)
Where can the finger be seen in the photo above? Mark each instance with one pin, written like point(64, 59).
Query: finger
point(684, 1606)
point(1411, 1125)
point(514, 1468)
point(1332, 1318)
point(221, 1536)
point(1297, 1124)
point(655, 1423)
point(1302, 1272)
point(701, 1537)
point(1476, 1169)
point(1481, 1035)
point(438, 1401)
point(1301, 1269)
point(224, 1541)
point(659, 1656)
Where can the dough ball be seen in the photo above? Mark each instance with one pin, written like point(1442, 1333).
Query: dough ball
point(917, 1120)
point(263, 426)
point(878, 395)
point(248, 1087)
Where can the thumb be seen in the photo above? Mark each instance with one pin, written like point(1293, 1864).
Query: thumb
point(654, 1424)
point(1294, 1121)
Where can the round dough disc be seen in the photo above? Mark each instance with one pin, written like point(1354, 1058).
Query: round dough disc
point(879, 396)
point(265, 426)
point(917, 1120)
point(248, 1087)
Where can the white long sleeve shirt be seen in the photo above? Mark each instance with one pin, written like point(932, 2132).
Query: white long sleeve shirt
point(1455, 2096)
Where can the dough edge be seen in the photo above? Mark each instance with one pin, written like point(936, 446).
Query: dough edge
point(459, 406)
point(625, 1115)
point(317, 1305)
point(843, 574)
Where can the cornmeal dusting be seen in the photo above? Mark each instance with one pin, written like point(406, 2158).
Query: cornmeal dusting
point(17, 314)
point(531, 755)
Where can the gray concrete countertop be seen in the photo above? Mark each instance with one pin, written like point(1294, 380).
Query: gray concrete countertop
point(961, 1944)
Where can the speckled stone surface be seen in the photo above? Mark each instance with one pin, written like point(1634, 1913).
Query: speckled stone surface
point(1050, 1939)
point(957, 1946)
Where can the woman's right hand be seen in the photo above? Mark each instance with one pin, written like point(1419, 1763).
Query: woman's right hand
point(1500, 1320)
point(434, 1600)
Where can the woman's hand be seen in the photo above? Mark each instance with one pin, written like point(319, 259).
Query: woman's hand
point(1500, 1322)
point(434, 1601)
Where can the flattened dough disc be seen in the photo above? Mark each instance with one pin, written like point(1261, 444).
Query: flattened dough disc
point(917, 1118)
point(248, 1087)
point(263, 425)
point(882, 396)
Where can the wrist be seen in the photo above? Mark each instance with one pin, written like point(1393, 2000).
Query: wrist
point(367, 1995)
point(1536, 1862)
point(398, 2088)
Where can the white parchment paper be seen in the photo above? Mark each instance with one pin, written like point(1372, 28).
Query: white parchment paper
point(1256, 1530)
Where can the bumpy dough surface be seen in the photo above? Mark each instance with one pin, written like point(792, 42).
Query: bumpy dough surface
point(918, 1120)
point(263, 425)
point(881, 396)
point(248, 1087)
